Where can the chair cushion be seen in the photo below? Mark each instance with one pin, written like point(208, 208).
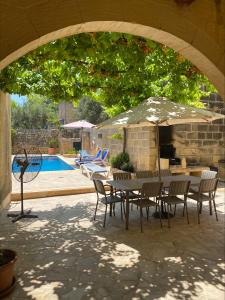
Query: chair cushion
point(199, 198)
point(144, 202)
point(172, 200)
point(131, 195)
point(111, 199)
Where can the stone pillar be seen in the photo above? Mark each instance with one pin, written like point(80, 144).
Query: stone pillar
point(5, 150)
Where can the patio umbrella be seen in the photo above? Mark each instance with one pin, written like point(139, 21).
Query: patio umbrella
point(78, 124)
point(81, 124)
point(160, 111)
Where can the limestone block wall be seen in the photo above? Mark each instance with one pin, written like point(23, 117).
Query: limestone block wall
point(26, 138)
point(140, 145)
point(204, 142)
point(104, 140)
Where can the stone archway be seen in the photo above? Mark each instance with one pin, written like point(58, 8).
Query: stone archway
point(195, 29)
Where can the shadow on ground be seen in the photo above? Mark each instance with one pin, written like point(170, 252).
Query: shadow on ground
point(65, 255)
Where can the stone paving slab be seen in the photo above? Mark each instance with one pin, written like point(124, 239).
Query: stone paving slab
point(64, 254)
point(55, 180)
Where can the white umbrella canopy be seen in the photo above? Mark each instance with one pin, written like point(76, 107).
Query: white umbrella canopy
point(160, 111)
point(81, 124)
point(78, 124)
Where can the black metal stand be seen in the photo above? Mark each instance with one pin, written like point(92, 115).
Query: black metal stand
point(22, 214)
point(164, 214)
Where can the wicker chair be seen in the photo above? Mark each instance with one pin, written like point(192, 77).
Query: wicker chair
point(106, 199)
point(124, 176)
point(206, 192)
point(163, 173)
point(149, 190)
point(206, 174)
point(177, 189)
point(144, 174)
point(121, 176)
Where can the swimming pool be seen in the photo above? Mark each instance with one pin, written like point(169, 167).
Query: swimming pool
point(49, 163)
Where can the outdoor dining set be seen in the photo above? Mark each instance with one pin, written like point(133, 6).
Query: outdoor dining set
point(162, 191)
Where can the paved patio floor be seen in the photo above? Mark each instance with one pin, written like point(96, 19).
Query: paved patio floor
point(65, 255)
point(47, 181)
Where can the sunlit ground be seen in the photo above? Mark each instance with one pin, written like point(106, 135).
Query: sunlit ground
point(65, 255)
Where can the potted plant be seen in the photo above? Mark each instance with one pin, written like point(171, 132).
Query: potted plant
point(52, 146)
point(7, 263)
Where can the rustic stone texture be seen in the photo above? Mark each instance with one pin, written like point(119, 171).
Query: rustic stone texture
point(25, 138)
point(210, 137)
point(5, 150)
point(140, 145)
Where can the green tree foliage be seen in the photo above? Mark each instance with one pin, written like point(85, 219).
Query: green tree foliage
point(90, 111)
point(118, 70)
point(36, 113)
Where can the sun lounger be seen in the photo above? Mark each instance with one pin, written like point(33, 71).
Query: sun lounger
point(91, 169)
point(103, 158)
point(99, 159)
point(85, 157)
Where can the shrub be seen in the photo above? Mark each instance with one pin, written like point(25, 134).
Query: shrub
point(122, 162)
point(127, 166)
point(53, 143)
point(71, 152)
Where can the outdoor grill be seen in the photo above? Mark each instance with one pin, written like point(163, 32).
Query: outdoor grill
point(168, 151)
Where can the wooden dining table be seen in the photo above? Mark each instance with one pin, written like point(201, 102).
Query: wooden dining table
point(131, 185)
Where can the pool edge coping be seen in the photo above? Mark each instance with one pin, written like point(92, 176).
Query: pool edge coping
point(52, 193)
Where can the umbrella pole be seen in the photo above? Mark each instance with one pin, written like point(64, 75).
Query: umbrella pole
point(81, 138)
point(158, 150)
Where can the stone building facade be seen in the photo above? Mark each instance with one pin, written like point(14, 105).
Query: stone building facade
point(202, 142)
point(140, 145)
point(66, 112)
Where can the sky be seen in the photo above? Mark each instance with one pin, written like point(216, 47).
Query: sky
point(19, 99)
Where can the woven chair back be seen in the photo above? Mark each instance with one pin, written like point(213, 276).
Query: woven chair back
point(99, 187)
point(144, 174)
point(152, 189)
point(163, 173)
point(208, 185)
point(121, 176)
point(179, 188)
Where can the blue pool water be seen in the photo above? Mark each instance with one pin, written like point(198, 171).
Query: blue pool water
point(49, 163)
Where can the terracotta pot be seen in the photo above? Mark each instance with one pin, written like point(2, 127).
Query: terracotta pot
point(51, 151)
point(7, 269)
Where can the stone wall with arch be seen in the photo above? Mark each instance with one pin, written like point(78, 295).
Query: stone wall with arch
point(193, 28)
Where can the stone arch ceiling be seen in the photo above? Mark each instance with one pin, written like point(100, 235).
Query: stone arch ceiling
point(195, 30)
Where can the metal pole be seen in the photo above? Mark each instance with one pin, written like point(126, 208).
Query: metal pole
point(158, 149)
point(21, 195)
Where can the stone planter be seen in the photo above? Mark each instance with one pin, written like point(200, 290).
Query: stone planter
point(51, 151)
point(7, 264)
